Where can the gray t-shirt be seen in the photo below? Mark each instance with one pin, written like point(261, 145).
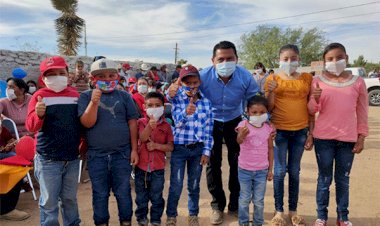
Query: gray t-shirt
point(110, 133)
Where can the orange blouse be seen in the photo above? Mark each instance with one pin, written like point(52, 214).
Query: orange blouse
point(290, 102)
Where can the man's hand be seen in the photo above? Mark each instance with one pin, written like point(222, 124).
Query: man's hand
point(40, 107)
point(204, 160)
point(134, 158)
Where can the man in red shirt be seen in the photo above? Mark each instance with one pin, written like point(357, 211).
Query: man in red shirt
point(155, 138)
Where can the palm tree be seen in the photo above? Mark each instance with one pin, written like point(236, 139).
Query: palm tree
point(68, 26)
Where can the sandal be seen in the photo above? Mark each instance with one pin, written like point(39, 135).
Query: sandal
point(297, 221)
point(278, 221)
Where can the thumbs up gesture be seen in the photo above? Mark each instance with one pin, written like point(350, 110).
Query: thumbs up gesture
point(96, 94)
point(272, 85)
point(243, 131)
point(317, 92)
point(173, 89)
point(191, 108)
point(152, 122)
point(40, 107)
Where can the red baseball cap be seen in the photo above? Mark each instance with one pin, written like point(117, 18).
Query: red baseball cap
point(132, 80)
point(24, 153)
point(54, 62)
point(126, 66)
point(187, 71)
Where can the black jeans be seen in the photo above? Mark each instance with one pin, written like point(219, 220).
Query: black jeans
point(9, 201)
point(224, 130)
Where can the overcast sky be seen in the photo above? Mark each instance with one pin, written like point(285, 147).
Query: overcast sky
point(148, 30)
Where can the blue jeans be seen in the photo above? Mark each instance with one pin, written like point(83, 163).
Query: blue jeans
point(149, 187)
point(287, 158)
point(326, 152)
point(179, 158)
point(58, 186)
point(4, 155)
point(252, 188)
point(106, 173)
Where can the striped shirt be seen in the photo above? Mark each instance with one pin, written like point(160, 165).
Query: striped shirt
point(193, 128)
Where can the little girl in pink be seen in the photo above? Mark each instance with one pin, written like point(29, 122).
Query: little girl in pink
point(255, 159)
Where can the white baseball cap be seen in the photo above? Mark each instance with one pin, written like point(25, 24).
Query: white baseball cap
point(103, 65)
point(144, 67)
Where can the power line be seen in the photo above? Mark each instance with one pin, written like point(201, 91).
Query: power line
point(252, 22)
point(136, 40)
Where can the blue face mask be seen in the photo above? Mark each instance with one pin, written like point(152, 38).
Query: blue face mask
point(107, 85)
point(226, 69)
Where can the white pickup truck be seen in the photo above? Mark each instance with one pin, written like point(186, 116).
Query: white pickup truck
point(372, 84)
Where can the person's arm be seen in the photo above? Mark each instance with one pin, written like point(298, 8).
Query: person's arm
point(90, 115)
point(209, 141)
point(179, 113)
point(309, 140)
point(144, 131)
point(314, 104)
point(270, 86)
point(168, 147)
point(132, 124)
point(362, 117)
point(270, 158)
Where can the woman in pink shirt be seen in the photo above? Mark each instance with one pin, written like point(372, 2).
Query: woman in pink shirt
point(15, 105)
point(342, 124)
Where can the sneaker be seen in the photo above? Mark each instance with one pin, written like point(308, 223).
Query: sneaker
point(15, 215)
point(125, 223)
point(320, 222)
point(193, 221)
point(343, 223)
point(142, 223)
point(216, 217)
point(171, 221)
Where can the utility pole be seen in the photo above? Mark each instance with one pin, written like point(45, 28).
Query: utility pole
point(176, 53)
point(85, 39)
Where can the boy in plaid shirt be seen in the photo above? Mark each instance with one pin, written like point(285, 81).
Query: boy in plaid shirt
point(193, 141)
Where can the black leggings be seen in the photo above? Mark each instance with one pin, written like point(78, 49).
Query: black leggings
point(9, 201)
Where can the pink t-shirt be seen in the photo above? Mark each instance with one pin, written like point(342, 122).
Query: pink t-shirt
point(254, 149)
point(343, 109)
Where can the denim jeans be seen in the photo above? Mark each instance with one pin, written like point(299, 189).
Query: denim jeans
point(326, 152)
point(227, 131)
point(58, 186)
point(4, 155)
point(252, 188)
point(179, 158)
point(149, 187)
point(287, 158)
point(106, 173)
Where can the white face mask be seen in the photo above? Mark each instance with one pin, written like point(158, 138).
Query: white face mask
point(142, 89)
point(259, 71)
point(289, 68)
point(336, 68)
point(226, 69)
point(32, 89)
point(258, 121)
point(152, 90)
point(156, 112)
point(10, 94)
point(56, 83)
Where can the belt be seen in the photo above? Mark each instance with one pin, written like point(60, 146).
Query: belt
point(191, 146)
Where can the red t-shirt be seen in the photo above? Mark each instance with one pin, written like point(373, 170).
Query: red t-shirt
point(140, 103)
point(154, 160)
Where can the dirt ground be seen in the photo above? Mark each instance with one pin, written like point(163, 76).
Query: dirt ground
point(364, 192)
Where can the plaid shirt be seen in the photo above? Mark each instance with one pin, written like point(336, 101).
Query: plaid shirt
point(193, 128)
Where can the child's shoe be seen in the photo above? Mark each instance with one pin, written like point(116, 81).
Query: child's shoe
point(296, 219)
point(320, 222)
point(343, 223)
point(278, 219)
point(193, 221)
point(171, 221)
point(125, 223)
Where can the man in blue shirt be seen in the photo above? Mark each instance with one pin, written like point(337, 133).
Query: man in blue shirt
point(226, 85)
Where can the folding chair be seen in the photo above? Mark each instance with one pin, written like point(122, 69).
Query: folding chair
point(11, 126)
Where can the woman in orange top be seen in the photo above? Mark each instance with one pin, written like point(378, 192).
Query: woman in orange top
point(288, 92)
